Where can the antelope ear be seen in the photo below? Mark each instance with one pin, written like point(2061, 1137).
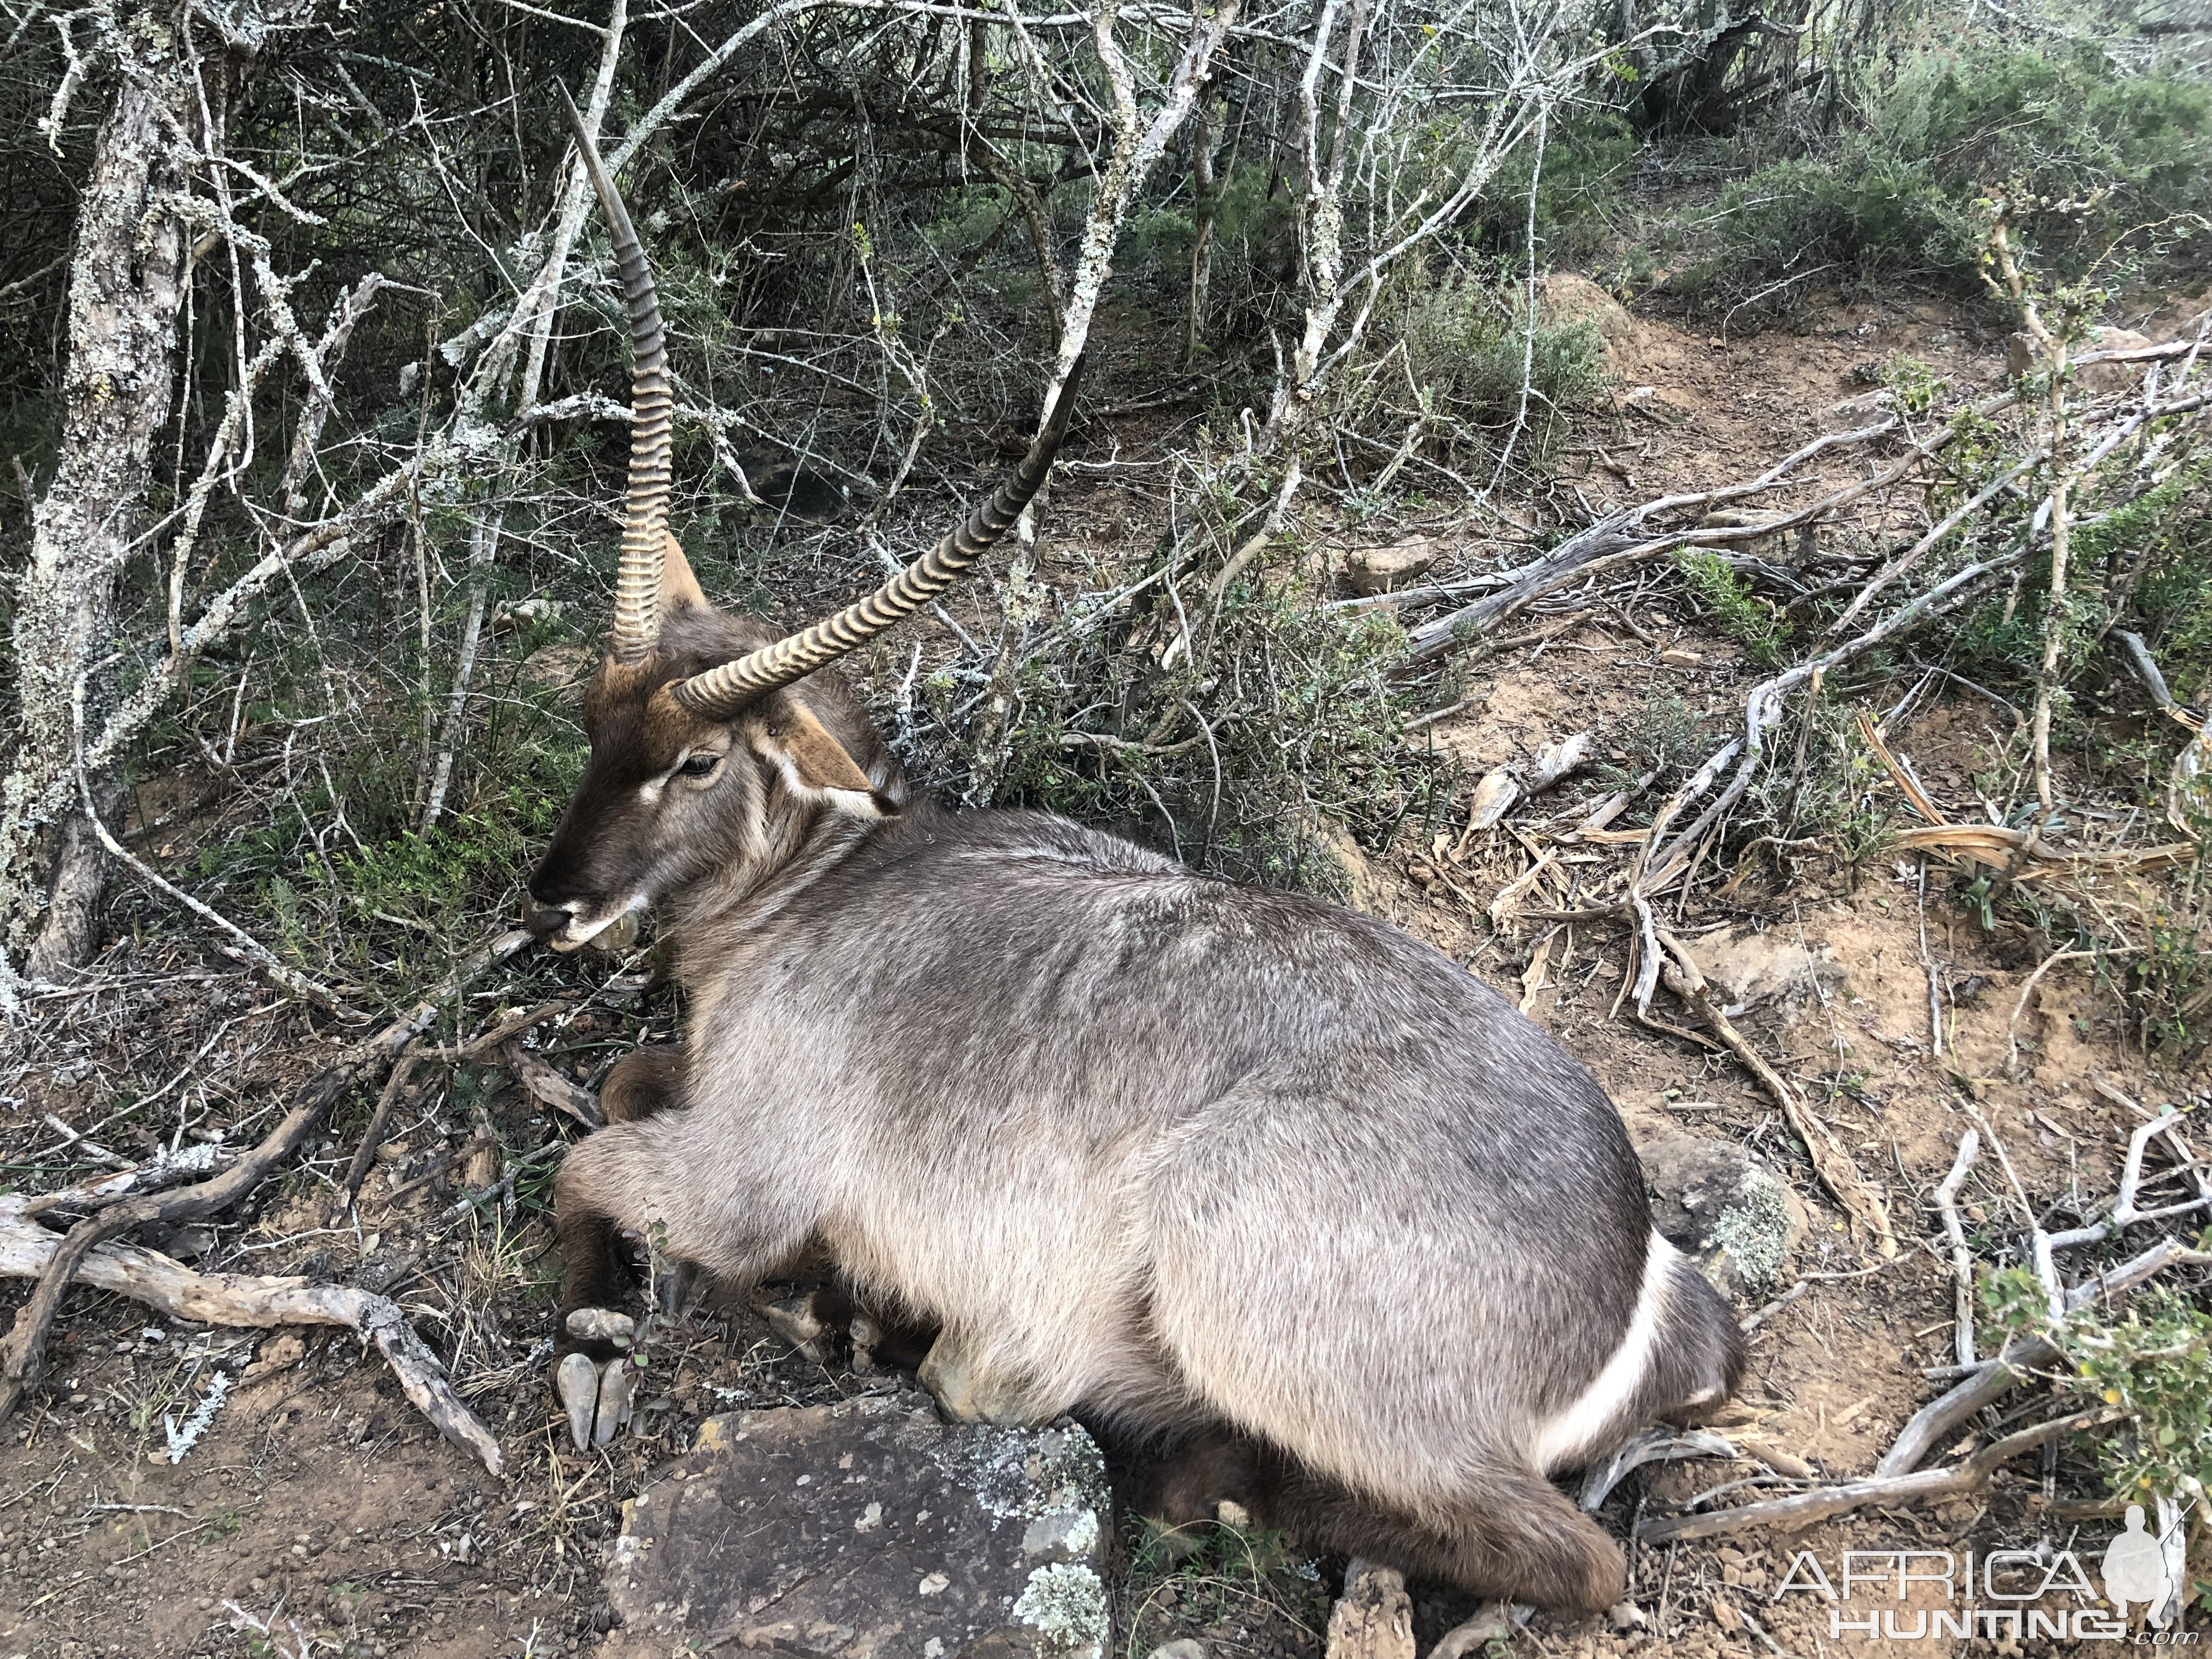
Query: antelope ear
point(814, 764)
point(679, 588)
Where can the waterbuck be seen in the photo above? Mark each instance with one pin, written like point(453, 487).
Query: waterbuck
point(1217, 1165)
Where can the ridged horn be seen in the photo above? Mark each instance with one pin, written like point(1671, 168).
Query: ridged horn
point(644, 508)
point(720, 693)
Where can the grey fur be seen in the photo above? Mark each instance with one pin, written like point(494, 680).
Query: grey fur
point(1174, 1151)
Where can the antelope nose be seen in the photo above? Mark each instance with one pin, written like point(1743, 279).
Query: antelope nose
point(545, 920)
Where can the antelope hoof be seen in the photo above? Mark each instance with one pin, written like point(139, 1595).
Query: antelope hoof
point(576, 1379)
point(617, 1389)
point(597, 1393)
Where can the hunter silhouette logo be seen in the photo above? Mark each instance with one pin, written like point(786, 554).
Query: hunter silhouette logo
point(2135, 1571)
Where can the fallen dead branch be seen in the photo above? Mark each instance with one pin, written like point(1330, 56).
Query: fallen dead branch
point(373, 1136)
point(22, 1356)
point(29, 1251)
point(1962, 1260)
point(1999, 848)
point(2020, 1358)
point(1802, 1509)
point(1837, 1171)
point(538, 1075)
point(1623, 538)
point(1763, 707)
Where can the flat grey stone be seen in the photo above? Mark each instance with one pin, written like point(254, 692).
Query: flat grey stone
point(870, 1529)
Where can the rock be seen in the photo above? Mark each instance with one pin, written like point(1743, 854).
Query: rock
point(868, 1528)
point(966, 1393)
point(1386, 569)
point(1374, 1617)
point(1714, 1202)
point(1626, 1616)
point(1184, 1648)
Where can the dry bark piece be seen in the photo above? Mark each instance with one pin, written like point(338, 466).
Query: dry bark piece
point(482, 1166)
point(1374, 1617)
point(536, 1073)
point(1494, 797)
point(1555, 761)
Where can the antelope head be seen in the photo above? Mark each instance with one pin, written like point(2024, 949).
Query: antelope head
point(718, 752)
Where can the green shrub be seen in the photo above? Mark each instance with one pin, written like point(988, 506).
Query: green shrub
point(1759, 626)
point(2087, 154)
point(2149, 1367)
point(1243, 762)
point(1864, 209)
point(1585, 158)
point(1467, 342)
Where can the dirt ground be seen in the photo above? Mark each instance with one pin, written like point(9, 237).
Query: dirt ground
point(316, 1512)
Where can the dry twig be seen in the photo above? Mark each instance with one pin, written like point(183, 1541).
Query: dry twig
point(22, 1356)
point(29, 1250)
point(1802, 1509)
point(1834, 1166)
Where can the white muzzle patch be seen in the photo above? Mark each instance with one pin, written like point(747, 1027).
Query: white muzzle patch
point(579, 933)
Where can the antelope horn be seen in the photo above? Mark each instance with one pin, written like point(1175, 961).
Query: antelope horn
point(645, 506)
point(720, 693)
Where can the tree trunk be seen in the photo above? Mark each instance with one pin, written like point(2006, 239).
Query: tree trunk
point(126, 280)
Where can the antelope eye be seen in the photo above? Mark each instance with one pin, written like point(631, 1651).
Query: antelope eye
point(699, 766)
